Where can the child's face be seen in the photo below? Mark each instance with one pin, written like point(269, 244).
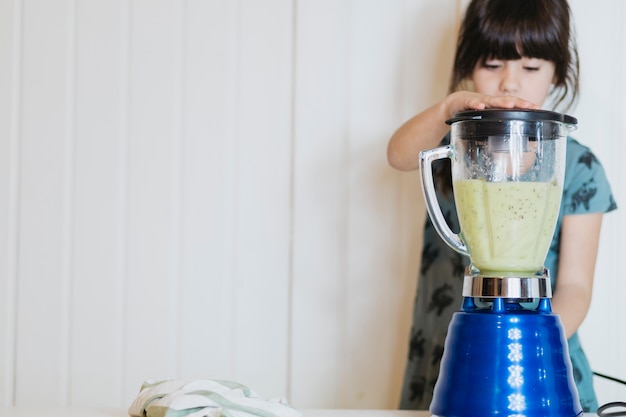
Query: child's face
point(526, 78)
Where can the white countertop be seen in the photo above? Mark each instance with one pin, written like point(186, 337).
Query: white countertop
point(33, 411)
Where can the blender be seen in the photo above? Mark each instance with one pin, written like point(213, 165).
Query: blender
point(506, 352)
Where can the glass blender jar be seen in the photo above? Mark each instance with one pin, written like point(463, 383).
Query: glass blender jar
point(508, 168)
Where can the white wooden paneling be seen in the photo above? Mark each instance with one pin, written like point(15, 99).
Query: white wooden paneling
point(97, 296)
point(9, 116)
point(209, 133)
point(394, 227)
point(262, 200)
point(197, 189)
point(45, 189)
point(153, 204)
point(603, 65)
point(320, 188)
point(356, 220)
point(372, 367)
point(371, 242)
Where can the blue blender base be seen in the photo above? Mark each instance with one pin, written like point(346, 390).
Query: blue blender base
point(505, 361)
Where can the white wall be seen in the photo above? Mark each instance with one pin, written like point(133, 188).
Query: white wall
point(602, 45)
point(199, 189)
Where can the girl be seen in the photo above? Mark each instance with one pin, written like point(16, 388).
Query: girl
point(510, 54)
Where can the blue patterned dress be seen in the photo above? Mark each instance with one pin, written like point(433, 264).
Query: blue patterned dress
point(586, 190)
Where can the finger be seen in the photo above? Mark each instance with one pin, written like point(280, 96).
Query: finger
point(475, 104)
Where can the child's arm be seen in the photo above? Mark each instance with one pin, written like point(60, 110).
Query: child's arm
point(425, 130)
point(580, 235)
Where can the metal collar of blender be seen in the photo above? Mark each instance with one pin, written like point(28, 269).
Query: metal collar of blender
point(516, 287)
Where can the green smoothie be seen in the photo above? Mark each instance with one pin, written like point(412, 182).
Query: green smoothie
point(507, 226)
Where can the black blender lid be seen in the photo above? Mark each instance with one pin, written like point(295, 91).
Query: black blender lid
point(495, 115)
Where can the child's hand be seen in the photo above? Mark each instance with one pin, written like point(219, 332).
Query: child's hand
point(466, 100)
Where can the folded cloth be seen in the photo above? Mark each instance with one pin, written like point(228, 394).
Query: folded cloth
point(205, 398)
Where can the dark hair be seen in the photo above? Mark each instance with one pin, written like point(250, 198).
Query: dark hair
point(512, 29)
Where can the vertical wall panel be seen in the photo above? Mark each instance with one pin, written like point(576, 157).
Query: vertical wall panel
point(263, 186)
point(318, 344)
point(97, 280)
point(411, 93)
point(153, 195)
point(377, 45)
point(615, 168)
point(603, 54)
point(211, 56)
point(376, 41)
point(357, 224)
point(9, 147)
point(43, 284)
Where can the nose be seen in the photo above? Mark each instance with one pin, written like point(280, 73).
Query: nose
point(509, 84)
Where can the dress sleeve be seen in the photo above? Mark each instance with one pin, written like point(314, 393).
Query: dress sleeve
point(586, 187)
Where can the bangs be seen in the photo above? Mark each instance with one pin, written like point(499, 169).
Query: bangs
point(516, 29)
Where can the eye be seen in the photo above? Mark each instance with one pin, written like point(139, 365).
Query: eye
point(532, 64)
point(492, 65)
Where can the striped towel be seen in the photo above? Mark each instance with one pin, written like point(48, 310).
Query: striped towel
point(205, 398)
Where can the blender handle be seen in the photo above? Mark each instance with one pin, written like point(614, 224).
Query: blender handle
point(432, 205)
